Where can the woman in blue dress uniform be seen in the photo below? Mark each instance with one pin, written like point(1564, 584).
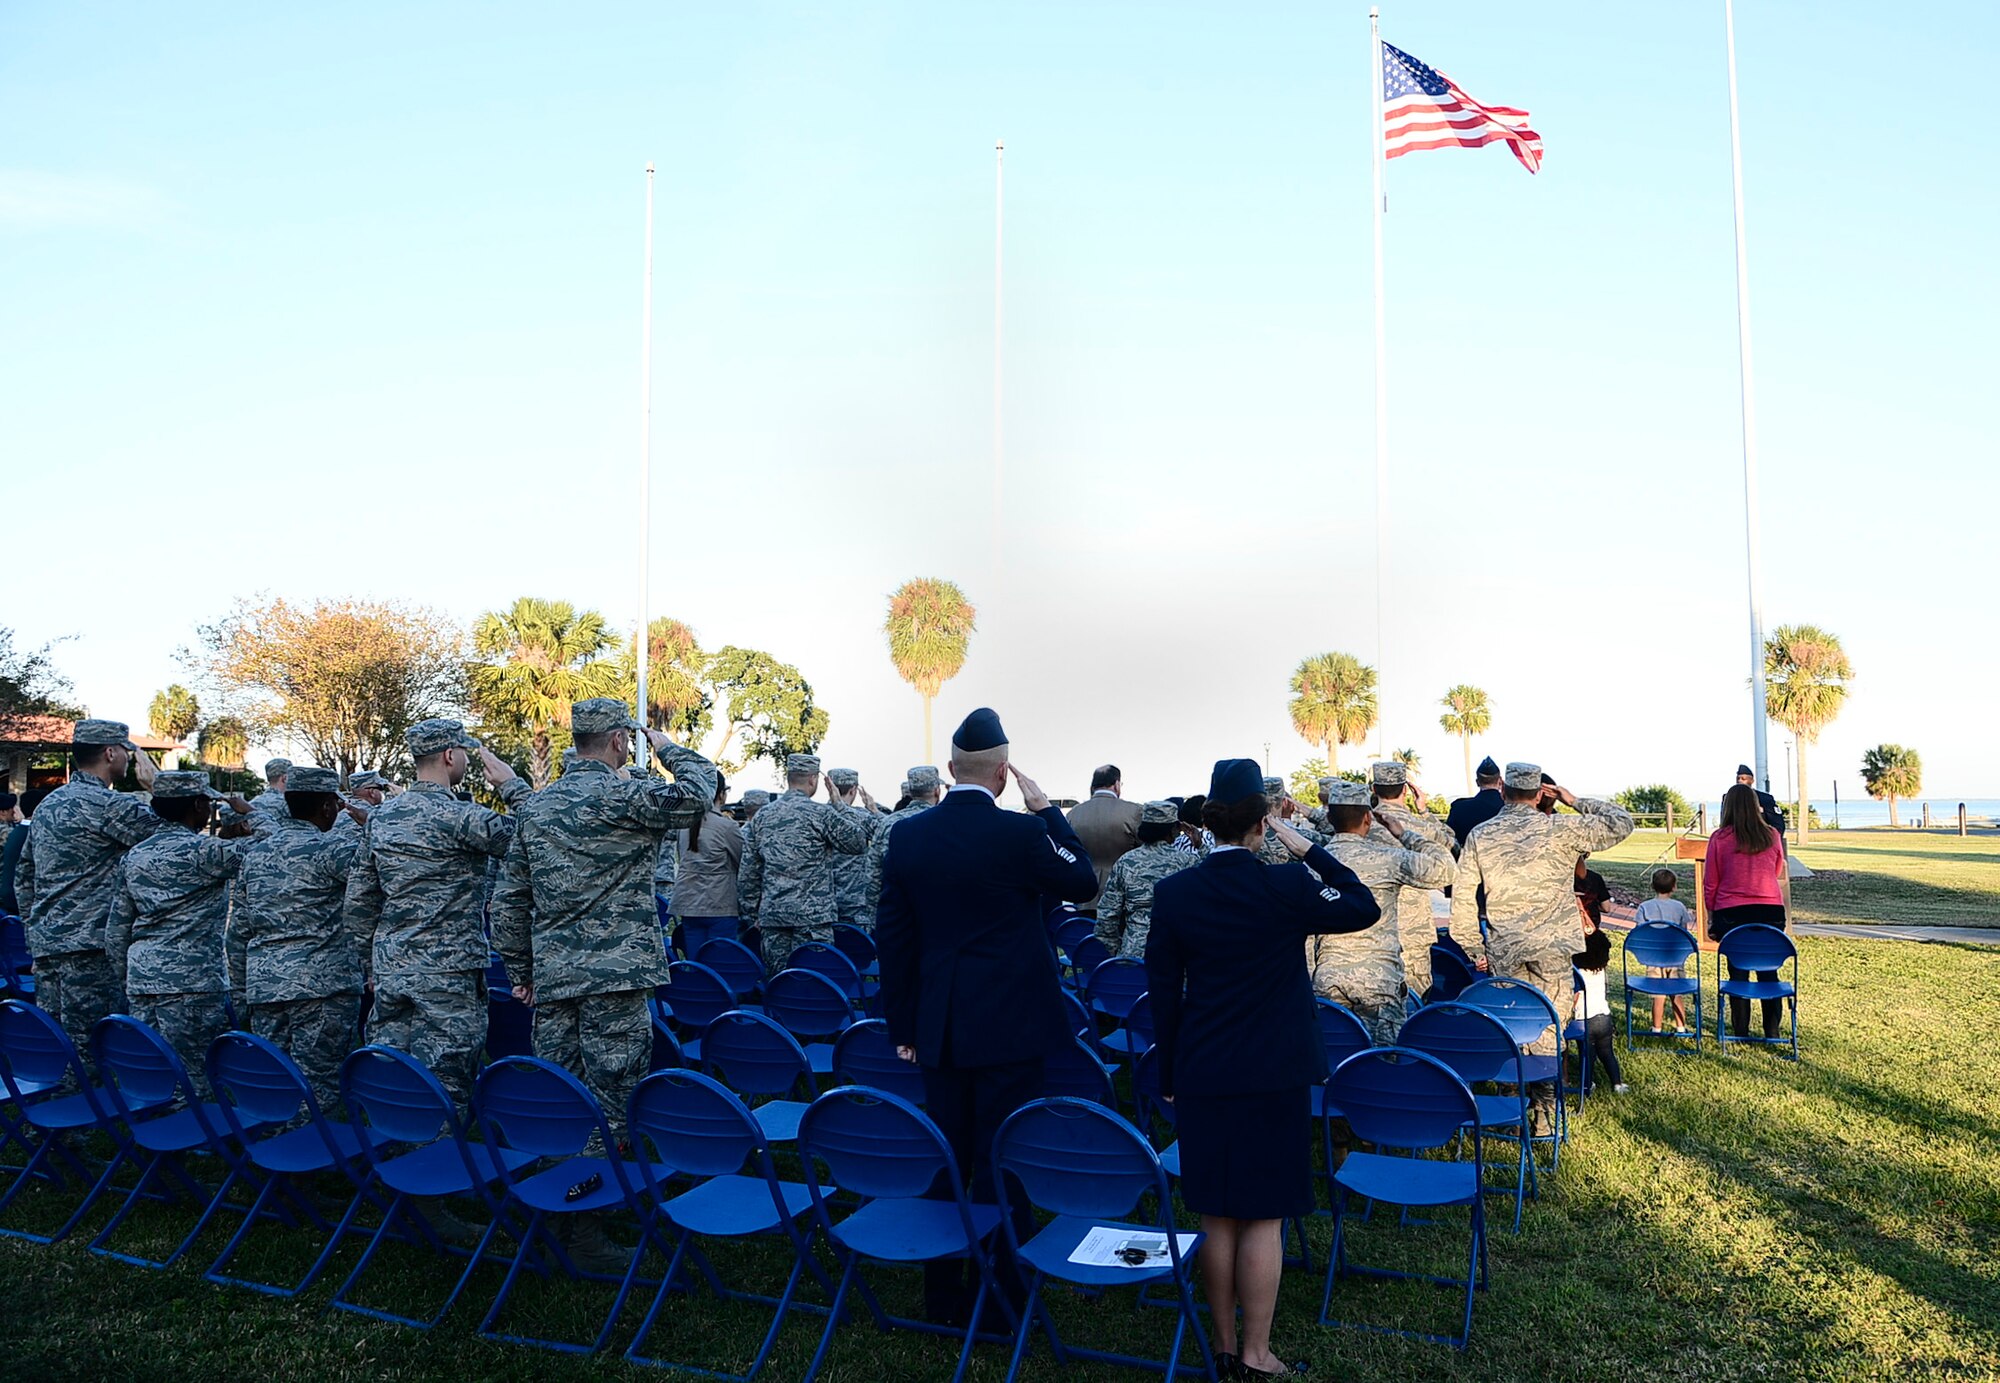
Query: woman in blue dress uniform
point(1239, 1044)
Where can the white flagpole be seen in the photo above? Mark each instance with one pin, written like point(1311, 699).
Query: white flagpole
point(1750, 521)
point(1381, 363)
point(645, 466)
point(999, 334)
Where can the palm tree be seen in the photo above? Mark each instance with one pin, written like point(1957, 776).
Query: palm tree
point(1333, 702)
point(1892, 771)
point(1467, 713)
point(677, 699)
point(223, 742)
point(1409, 758)
point(545, 656)
point(174, 713)
point(1805, 683)
point(929, 626)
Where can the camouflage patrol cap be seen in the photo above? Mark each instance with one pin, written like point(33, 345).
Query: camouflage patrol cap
point(1274, 788)
point(436, 735)
point(1159, 814)
point(844, 778)
point(799, 765)
point(1389, 775)
point(1523, 776)
point(756, 797)
point(1326, 785)
point(310, 779)
point(367, 778)
point(599, 714)
point(1347, 793)
point(103, 732)
point(182, 783)
point(276, 768)
point(923, 778)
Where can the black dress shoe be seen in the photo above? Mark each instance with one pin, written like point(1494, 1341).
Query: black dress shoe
point(1228, 1366)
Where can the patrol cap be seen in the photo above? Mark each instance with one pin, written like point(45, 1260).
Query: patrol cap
point(979, 731)
point(1233, 780)
point(1159, 814)
point(1487, 768)
point(436, 735)
point(1326, 783)
point(756, 797)
point(599, 714)
point(1347, 793)
point(923, 778)
point(1389, 775)
point(308, 779)
point(182, 782)
point(103, 732)
point(367, 778)
point(1274, 788)
point(843, 778)
point(1522, 777)
point(799, 765)
point(277, 768)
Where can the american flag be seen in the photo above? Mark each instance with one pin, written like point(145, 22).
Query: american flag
point(1424, 109)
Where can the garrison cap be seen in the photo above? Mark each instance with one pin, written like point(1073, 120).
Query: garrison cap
point(1487, 768)
point(1234, 780)
point(1389, 775)
point(843, 778)
point(1347, 793)
point(276, 768)
point(434, 736)
point(182, 782)
point(798, 765)
point(1522, 776)
point(102, 732)
point(979, 731)
point(308, 779)
point(599, 714)
point(1159, 814)
point(1743, 771)
point(367, 778)
point(923, 778)
point(1548, 780)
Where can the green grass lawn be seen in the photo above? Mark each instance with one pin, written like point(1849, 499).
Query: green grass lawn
point(1734, 1217)
point(1917, 878)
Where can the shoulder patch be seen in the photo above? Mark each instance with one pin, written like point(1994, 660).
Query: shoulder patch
point(1331, 894)
point(1067, 857)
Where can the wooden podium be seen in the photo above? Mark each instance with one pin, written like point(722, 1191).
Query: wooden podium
point(1696, 848)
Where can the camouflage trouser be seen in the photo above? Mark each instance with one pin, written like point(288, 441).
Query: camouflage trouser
point(783, 938)
point(1124, 938)
point(189, 1022)
point(76, 988)
point(440, 1019)
point(1419, 935)
point(859, 916)
point(317, 1034)
point(604, 1040)
point(1370, 994)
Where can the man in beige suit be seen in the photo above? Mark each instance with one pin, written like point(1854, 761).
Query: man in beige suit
point(1106, 823)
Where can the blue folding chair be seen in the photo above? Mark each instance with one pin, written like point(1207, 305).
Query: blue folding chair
point(1070, 927)
point(1091, 1169)
point(696, 997)
point(739, 967)
point(258, 1088)
point(1113, 986)
point(17, 962)
point(755, 1057)
point(534, 1107)
point(1397, 1098)
point(667, 1051)
point(1072, 1072)
point(1079, 1022)
point(811, 1008)
point(17, 1091)
point(888, 1152)
point(1450, 976)
point(1135, 1034)
point(832, 963)
point(859, 947)
point(694, 1124)
point(1341, 1035)
point(1666, 946)
point(1759, 951)
point(1084, 957)
point(414, 1146)
point(1475, 1046)
point(1526, 1013)
point(864, 1055)
point(510, 1024)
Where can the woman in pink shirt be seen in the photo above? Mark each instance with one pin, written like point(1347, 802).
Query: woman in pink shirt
point(1745, 884)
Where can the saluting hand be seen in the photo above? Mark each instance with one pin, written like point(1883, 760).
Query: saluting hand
point(497, 771)
point(1032, 796)
point(1297, 844)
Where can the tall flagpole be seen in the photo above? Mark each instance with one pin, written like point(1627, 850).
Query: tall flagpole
point(645, 466)
point(1381, 361)
point(999, 334)
point(1750, 522)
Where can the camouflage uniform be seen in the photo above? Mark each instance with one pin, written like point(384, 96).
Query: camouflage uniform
point(1526, 862)
point(302, 960)
point(165, 936)
point(65, 882)
point(851, 873)
point(1125, 907)
point(924, 780)
point(415, 892)
point(786, 880)
point(270, 804)
point(1416, 923)
point(573, 915)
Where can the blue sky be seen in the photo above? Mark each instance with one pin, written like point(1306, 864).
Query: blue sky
point(335, 302)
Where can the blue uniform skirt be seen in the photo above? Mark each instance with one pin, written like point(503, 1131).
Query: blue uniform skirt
point(1247, 1157)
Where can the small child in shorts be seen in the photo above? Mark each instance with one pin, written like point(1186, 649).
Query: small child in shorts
point(1664, 907)
point(1593, 1010)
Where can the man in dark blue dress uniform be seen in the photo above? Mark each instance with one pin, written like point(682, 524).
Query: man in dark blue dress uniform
point(969, 983)
point(1481, 807)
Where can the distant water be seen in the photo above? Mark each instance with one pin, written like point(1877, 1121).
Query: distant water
point(1865, 811)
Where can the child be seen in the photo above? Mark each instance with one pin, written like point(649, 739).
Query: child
point(1593, 1010)
point(1664, 907)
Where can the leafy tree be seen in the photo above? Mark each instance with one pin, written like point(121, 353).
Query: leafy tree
point(223, 742)
point(540, 658)
point(1891, 771)
point(31, 685)
point(929, 626)
point(1333, 702)
point(1466, 713)
point(1655, 799)
point(173, 713)
point(347, 677)
point(1806, 673)
point(768, 703)
point(1304, 781)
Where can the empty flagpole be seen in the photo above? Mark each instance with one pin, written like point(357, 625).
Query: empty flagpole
point(1750, 521)
point(999, 332)
point(645, 463)
point(1381, 361)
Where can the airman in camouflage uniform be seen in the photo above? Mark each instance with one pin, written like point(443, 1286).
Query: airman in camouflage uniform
point(752, 802)
point(1526, 862)
point(573, 916)
point(1364, 969)
point(68, 873)
point(164, 939)
point(851, 872)
point(415, 891)
point(1401, 805)
point(1125, 907)
point(922, 785)
point(302, 961)
point(1273, 850)
point(271, 801)
point(786, 880)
